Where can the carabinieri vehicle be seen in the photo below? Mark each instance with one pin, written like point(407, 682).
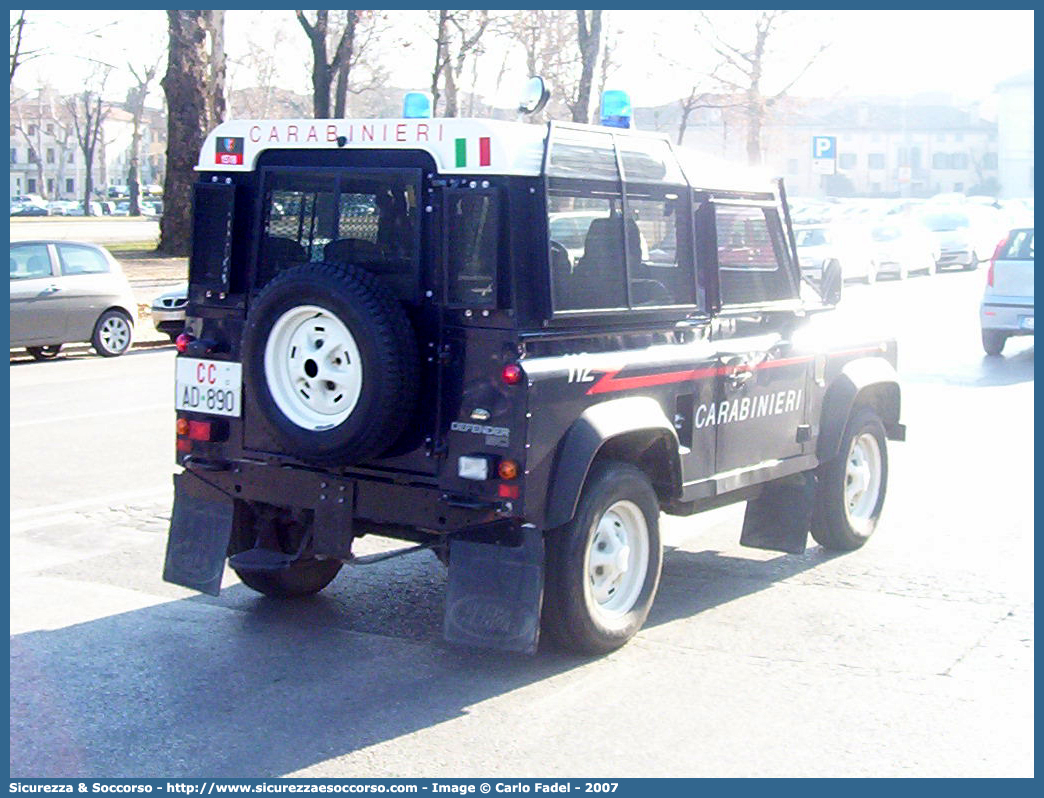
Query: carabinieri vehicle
point(383, 338)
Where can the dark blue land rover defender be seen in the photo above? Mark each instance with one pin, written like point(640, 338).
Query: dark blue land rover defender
point(516, 345)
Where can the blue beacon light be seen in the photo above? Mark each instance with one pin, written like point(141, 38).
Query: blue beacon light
point(616, 108)
point(416, 105)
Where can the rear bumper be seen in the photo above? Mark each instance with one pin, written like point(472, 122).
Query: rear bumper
point(956, 257)
point(339, 503)
point(1011, 314)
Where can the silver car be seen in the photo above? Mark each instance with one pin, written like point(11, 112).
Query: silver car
point(1007, 302)
point(65, 292)
point(168, 311)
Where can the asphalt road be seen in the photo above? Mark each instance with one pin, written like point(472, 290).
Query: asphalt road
point(910, 657)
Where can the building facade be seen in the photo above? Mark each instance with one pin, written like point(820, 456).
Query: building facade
point(46, 157)
point(1015, 135)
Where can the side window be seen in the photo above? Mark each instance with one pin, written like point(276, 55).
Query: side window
point(591, 276)
point(660, 274)
point(472, 226)
point(752, 256)
point(81, 260)
point(30, 262)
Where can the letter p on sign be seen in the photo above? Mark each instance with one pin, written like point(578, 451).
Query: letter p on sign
point(824, 146)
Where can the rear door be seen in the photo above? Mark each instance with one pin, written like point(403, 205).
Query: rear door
point(1013, 269)
point(88, 287)
point(761, 398)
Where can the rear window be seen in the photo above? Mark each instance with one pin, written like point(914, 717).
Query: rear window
point(943, 222)
point(366, 220)
point(1019, 246)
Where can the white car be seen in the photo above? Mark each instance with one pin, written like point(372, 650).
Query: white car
point(1007, 302)
point(168, 311)
point(900, 249)
point(848, 246)
point(966, 235)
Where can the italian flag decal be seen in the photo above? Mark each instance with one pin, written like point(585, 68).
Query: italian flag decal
point(462, 152)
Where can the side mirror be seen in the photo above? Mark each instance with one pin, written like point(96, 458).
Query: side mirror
point(830, 283)
point(534, 96)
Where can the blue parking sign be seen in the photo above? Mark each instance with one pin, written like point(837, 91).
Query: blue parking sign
point(824, 147)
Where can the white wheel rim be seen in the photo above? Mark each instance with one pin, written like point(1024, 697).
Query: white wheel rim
point(115, 334)
point(313, 368)
point(862, 482)
point(616, 562)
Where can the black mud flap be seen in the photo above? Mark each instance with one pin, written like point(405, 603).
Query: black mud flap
point(779, 519)
point(495, 593)
point(200, 529)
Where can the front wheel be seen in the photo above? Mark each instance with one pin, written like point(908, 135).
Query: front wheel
point(112, 334)
point(49, 352)
point(603, 567)
point(303, 578)
point(850, 488)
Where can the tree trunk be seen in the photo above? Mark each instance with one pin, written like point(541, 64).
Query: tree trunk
point(589, 40)
point(185, 87)
point(441, 57)
point(133, 171)
point(755, 113)
point(216, 105)
point(450, 81)
point(321, 74)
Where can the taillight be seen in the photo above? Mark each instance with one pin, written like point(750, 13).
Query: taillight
point(507, 469)
point(511, 374)
point(996, 254)
point(199, 430)
point(182, 342)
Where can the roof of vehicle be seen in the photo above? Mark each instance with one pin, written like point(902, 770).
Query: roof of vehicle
point(458, 146)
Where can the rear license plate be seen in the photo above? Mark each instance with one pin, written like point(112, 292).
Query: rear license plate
point(1026, 322)
point(208, 386)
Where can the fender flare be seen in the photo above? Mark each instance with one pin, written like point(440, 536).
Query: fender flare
point(872, 379)
point(596, 426)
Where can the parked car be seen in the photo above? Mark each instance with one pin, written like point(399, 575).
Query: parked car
point(60, 207)
point(77, 209)
point(69, 291)
point(965, 235)
point(900, 249)
point(29, 209)
point(168, 311)
point(846, 245)
point(1007, 301)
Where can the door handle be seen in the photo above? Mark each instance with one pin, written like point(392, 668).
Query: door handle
point(740, 370)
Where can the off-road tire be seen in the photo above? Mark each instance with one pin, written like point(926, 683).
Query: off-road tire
point(993, 341)
point(831, 526)
point(303, 578)
point(387, 347)
point(568, 616)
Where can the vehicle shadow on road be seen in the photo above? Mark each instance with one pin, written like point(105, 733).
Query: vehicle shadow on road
point(241, 685)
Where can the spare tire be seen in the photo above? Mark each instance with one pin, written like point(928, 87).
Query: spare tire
point(330, 361)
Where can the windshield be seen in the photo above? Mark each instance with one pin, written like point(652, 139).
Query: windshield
point(939, 222)
point(810, 238)
point(886, 233)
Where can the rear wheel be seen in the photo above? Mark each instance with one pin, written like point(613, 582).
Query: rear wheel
point(603, 567)
point(112, 333)
point(303, 578)
point(993, 341)
point(850, 489)
point(49, 352)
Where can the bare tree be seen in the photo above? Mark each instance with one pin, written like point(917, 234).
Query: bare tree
point(88, 113)
point(589, 41)
point(458, 41)
point(185, 86)
point(136, 105)
point(744, 67)
point(327, 70)
point(19, 54)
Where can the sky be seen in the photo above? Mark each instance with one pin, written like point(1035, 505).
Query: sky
point(890, 53)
